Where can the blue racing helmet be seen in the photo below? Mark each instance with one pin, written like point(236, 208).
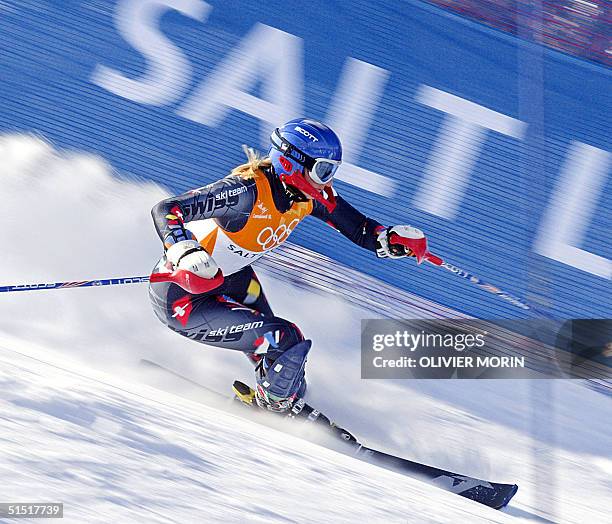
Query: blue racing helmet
point(301, 144)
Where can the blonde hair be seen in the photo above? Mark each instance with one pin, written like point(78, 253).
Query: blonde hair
point(255, 162)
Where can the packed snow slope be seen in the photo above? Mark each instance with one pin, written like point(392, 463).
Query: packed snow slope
point(66, 217)
point(115, 452)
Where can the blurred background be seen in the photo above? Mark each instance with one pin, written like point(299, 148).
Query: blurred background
point(484, 123)
point(578, 27)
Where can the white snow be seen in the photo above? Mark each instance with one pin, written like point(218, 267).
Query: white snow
point(114, 452)
point(133, 453)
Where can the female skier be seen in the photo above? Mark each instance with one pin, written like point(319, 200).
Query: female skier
point(204, 286)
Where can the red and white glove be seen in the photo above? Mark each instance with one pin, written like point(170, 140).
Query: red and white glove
point(401, 241)
point(191, 267)
point(190, 256)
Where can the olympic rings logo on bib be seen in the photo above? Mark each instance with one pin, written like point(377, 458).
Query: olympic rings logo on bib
point(268, 238)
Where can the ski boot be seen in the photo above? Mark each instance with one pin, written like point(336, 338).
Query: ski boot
point(281, 382)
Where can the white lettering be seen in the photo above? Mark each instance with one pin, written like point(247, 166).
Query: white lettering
point(306, 134)
point(266, 55)
point(570, 210)
point(244, 327)
point(169, 72)
point(237, 191)
point(454, 154)
point(352, 108)
point(501, 362)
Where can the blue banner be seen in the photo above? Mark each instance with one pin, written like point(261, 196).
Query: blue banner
point(497, 148)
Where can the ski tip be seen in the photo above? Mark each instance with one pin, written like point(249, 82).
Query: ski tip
point(508, 497)
point(243, 392)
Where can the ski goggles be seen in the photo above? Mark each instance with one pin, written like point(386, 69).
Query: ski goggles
point(321, 170)
point(324, 169)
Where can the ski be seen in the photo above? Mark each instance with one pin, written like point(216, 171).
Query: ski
point(492, 494)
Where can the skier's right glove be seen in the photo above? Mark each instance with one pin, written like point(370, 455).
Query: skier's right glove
point(189, 255)
point(191, 267)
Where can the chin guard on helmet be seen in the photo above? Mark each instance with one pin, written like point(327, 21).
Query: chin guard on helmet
point(297, 180)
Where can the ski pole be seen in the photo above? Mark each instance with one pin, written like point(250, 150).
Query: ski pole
point(81, 283)
point(430, 257)
point(477, 281)
point(419, 248)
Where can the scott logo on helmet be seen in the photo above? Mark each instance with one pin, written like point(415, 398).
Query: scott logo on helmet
point(306, 133)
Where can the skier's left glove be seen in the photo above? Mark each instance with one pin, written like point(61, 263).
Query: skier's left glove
point(401, 241)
